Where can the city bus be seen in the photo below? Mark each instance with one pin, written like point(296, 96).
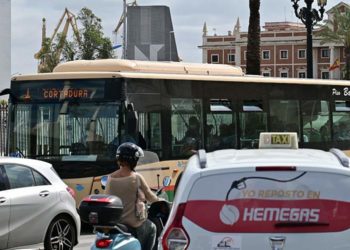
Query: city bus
point(75, 117)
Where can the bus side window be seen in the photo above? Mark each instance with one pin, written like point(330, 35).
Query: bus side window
point(221, 125)
point(341, 120)
point(316, 123)
point(253, 120)
point(186, 126)
point(149, 135)
point(284, 116)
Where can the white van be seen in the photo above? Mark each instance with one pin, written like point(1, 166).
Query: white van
point(276, 197)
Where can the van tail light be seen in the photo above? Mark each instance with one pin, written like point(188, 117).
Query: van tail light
point(176, 237)
point(103, 243)
point(71, 191)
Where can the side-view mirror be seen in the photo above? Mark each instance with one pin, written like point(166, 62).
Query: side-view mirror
point(104, 181)
point(166, 181)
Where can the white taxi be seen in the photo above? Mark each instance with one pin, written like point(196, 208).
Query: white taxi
point(276, 197)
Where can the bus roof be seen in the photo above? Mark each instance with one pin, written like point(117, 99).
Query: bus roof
point(119, 65)
point(119, 68)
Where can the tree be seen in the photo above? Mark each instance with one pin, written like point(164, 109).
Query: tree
point(337, 30)
point(253, 47)
point(48, 56)
point(93, 44)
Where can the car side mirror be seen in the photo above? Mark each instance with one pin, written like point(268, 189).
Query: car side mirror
point(104, 182)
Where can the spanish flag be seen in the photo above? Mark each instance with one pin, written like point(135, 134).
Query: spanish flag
point(335, 65)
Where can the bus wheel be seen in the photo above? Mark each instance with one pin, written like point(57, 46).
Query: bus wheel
point(60, 234)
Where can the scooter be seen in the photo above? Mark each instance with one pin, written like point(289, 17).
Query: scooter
point(103, 212)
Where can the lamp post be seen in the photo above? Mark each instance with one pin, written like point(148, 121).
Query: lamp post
point(309, 17)
point(124, 56)
point(170, 36)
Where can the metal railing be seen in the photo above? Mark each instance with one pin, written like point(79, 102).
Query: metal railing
point(3, 128)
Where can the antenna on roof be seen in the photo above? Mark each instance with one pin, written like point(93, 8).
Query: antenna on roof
point(202, 156)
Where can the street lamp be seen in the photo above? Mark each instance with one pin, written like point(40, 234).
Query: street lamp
point(170, 36)
point(309, 17)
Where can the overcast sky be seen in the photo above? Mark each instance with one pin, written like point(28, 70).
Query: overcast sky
point(188, 18)
point(5, 45)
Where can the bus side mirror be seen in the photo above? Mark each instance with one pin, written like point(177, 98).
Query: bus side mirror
point(8, 91)
point(5, 92)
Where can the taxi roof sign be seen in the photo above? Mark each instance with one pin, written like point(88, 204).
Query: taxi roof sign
point(278, 140)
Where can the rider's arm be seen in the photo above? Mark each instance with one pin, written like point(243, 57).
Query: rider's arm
point(150, 196)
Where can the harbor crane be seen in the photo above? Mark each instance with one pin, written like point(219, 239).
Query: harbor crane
point(48, 55)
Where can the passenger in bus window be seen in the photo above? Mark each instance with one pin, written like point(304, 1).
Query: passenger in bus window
point(192, 139)
point(226, 136)
point(342, 132)
point(325, 131)
point(213, 140)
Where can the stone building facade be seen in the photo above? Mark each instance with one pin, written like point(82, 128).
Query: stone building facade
point(283, 49)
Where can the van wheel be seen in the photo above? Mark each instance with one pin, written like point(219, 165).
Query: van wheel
point(60, 235)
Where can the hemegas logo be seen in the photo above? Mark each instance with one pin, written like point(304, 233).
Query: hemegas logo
point(229, 214)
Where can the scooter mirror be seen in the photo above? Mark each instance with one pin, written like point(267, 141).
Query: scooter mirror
point(166, 181)
point(104, 181)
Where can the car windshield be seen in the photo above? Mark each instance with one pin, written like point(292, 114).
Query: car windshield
point(64, 130)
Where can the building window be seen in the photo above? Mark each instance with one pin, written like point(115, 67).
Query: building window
point(325, 53)
point(231, 58)
point(245, 55)
point(301, 54)
point(324, 75)
point(266, 55)
point(266, 74)
point(284, 74)
point(302, 74)
point(214, 58)
point(284, 54)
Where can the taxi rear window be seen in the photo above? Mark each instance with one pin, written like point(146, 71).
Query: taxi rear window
point(262, 202)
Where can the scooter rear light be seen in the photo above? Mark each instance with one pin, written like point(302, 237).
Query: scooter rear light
point(176, 237)
point(103, 243)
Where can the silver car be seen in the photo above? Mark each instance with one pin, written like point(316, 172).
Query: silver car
point(36, 206)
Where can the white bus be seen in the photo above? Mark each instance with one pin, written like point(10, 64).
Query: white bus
point(76, 116)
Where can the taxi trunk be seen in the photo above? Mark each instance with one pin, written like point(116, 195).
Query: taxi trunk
point(277, 207)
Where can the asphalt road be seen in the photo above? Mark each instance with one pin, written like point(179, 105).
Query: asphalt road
point(85, 242)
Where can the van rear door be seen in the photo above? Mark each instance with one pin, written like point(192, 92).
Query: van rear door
point(269, 210)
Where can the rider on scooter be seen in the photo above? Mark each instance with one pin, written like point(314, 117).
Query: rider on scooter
point(125, 183)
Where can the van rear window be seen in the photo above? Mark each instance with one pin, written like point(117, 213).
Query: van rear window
point(262, 202)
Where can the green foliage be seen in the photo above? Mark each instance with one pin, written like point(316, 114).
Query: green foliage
point(337, 30)
point(47, 56)
point(92, 44)
point(3, 102)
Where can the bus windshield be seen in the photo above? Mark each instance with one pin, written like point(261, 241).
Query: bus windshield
point(66, 131)
point(73, 124)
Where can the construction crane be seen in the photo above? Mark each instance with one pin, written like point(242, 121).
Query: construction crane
point(122, 21)
point(46, 43)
